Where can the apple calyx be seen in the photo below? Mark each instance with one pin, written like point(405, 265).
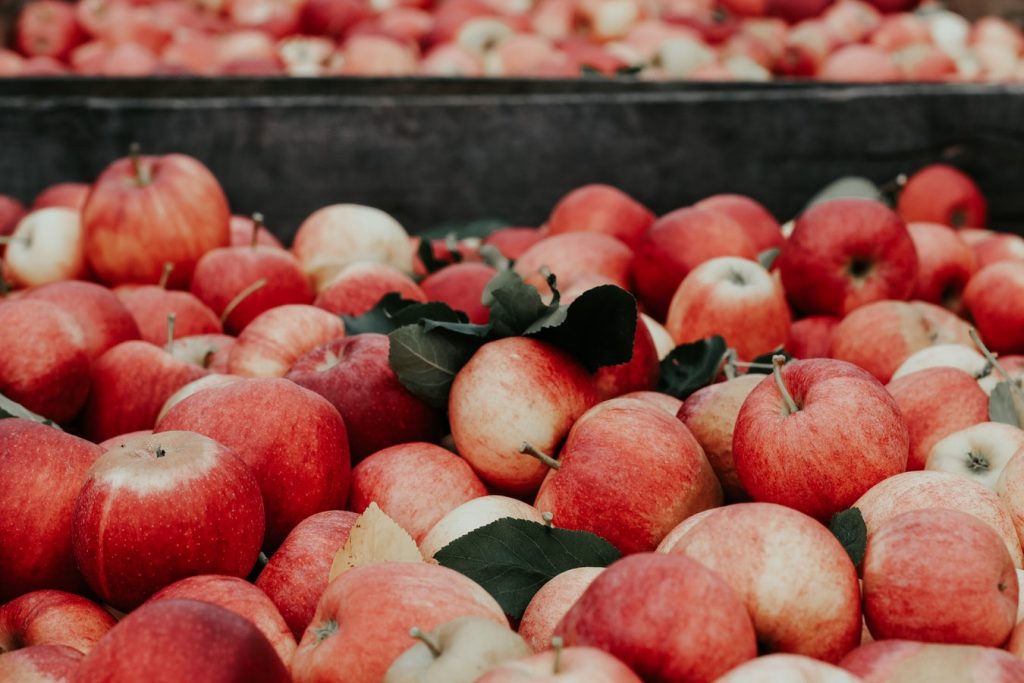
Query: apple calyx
point(257, 223)
point(994, 363)
point(976, 463)
point(159, 452)
point(417, 633)
point(528, 449)
point(240, 297)
point(171, 317)
point(324, 631)
point(557, 643)
point(142, 177)
point(165, 275)
point(778, 361)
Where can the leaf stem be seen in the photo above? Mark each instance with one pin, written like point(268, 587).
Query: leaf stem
point(419, 635)
point(778, 361)
point(239, 298)
point(528, 449)
point(994, 362)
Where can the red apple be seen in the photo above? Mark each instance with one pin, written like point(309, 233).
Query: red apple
point(357, 288)
point(270, 344)
point(68, 195)
point(991, 247)
point(296, 575)
point(40, 664)
point(994, 299)
point(566, 665)
point(461, 286)
point(362, 621)
point(665, 616)
point(550, 604)
point(51, 617)
point(760, 226)
point(895, 660)
point(44, 468)
point(333, 17)
point(293, 440)
point(144, 212)
point(979, 452)
point(210, 644)
point(845, 253)
point(472, 515)
point(860, 64)
point(638, 374)
point(47, 28)
point(45, 364)
point(150, 305)
point(944, 356)
point(602, 209)
point(244, 230)
point(104, 320)
point(811, 337)
point(514, 242)
point(779, 447)
point(46, 246)
point(574, 257)
point(277, 18)
point(939, 193)
point(153, 496)
point(808, 45)
point(945, 264)
point(208, 351)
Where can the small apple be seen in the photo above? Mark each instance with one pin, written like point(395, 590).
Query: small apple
point(574, 257)
point(50, 617)
point(603, 209)
point(46, 246)
point(461, 286)
point(939, 193)
point(104, 320)
point(275, 339)
point(67, 195)
point(945, 264)
point(357, 288)
point(993, 298)
point(980, 451)
point(550, 604)
point(811, 337)
point(151, 304)
point(472, 515)
point(958, 355)
point(761, 227)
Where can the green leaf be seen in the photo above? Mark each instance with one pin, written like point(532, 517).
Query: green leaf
point(1001, 406)
point(689, 367)
point(433, 310)
point(392, 312)
point(515, 305)
point(766, 360)
point(9, 408)
point(598, 328)
point(513, 558)
point(426, 362)
point(460, 230)
point(629, 70)
point(848, 526)
point(767, 257)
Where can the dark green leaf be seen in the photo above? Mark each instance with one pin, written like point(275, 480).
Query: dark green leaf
point(588, 71)
point(433, 310)
point(1001, 406)
point(392, 312)
point(9, 408)
point(629, 70)
point(767, 257)
point(598, 327)
point(689, 367)
point(468, 329)
point(461, 230)
point(513, 558)
point(426, 362)
point(766, 360)
point(848, 526)
point(427, 258)
point(515, 305)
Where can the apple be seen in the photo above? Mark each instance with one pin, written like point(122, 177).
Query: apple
point(601, 209)
point(639, 374)
point(568, 665)
point(116, 441)
point(677, 243)
point(514, 391)
point(734, 298)
point(895, 660)
point(47, 28)
point(332, 17)
point(779, 438)
point(632, 457)
point(457, 651)
point(513, 242)
point(151, 304)
point(808, 45)
point(358, 287)
point(787, 668)
point(210, 644)
point(240, 597)
point(928, 490)
point(203, 497)
point(52, 617)
point(146, 211)
point(374, 55)
point(45, 364)
point(993, 299)
point(939, 193)
point(67, 195)
point(40, 664)
point(980, 451)
point(46, 246)
point(811, 337)
point(957, 356)
point(937, 402)
point(851, 21)
point(293, 440)
point(461, 286)
point(276, 18)
point(860, 64)
point(245, 230)
point(1010, 489)
point(384, 477)
point(44, 468)
point(845, 253)
point(472, 515)
point(939, 576)
point(663, 341)
point(550, 604)
point(761, 227)
point(994, 247)
point(11, 213)
point(573, 257)
point(270, 344)
point(208, 351)
point(296, 574)
point(363, 619)
point(104, 320)
point(702, 626)
point(449, 59)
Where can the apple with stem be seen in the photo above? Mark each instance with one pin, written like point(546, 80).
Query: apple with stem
point(563, 665)
point(270, 344)
point(550, 604)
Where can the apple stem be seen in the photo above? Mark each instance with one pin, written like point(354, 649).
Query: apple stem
point(778, 360)
point(548, 517)
point(557, 644)
point(528, 449)
point(994, 362)
point(419, 635)
point(171, 317)
point(239, 298)
point(141, 177)
point(257, 223)
point(165, 275)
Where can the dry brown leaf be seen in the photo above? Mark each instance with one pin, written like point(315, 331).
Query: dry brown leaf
point(375, 537)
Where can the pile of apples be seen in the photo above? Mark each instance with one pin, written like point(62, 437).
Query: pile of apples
point(746, 40)
point(211, 472)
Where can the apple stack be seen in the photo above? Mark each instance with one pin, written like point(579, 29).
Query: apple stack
point(616, 448)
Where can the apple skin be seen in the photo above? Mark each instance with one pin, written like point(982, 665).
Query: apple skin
point(732, 297)
point(354, 374)
point(945, 264)
point(240, 597)
point(177, 503)
point(926, 490)
point(550, 604)
point(575, 665)
point(881, 335)
point(959, 356)
point(68, 195)
point(384, 478)
point(511, 391)
point(979, 452)
point(177, 214)
point(845, 253)
point(1010, 489)
point(939, 193)
point(860, 64)
point(40, 664)
point(296, 575)
point(461, 286)
point(292, 438)
point(939, 576)
point(224, 273)
point(11, 213)
point(358, 287)
point(990, 247)
point(150, 305)
point(993, 297)
point(473, 515)
point(514, 242)
point(937, 402)
point(574, 257)
point(46, 28)
point(210, 644)
point(363, 619)
point(761, 227)
point(636, 459)
point(208, 351)
point(45, 364)
point(787, 563)
point(104, 320)
point(786, 668)
point(670, 404)
point(51, 617)
point(811, 337)
point(242, 228)
point(602, 209)
point(46, 246)
point(896, 660)
point(640, 373)
point(782, 457)
point(44, 469)
point(270, 344)
point(651, 611)
point(677, 243)
point(130, 384)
